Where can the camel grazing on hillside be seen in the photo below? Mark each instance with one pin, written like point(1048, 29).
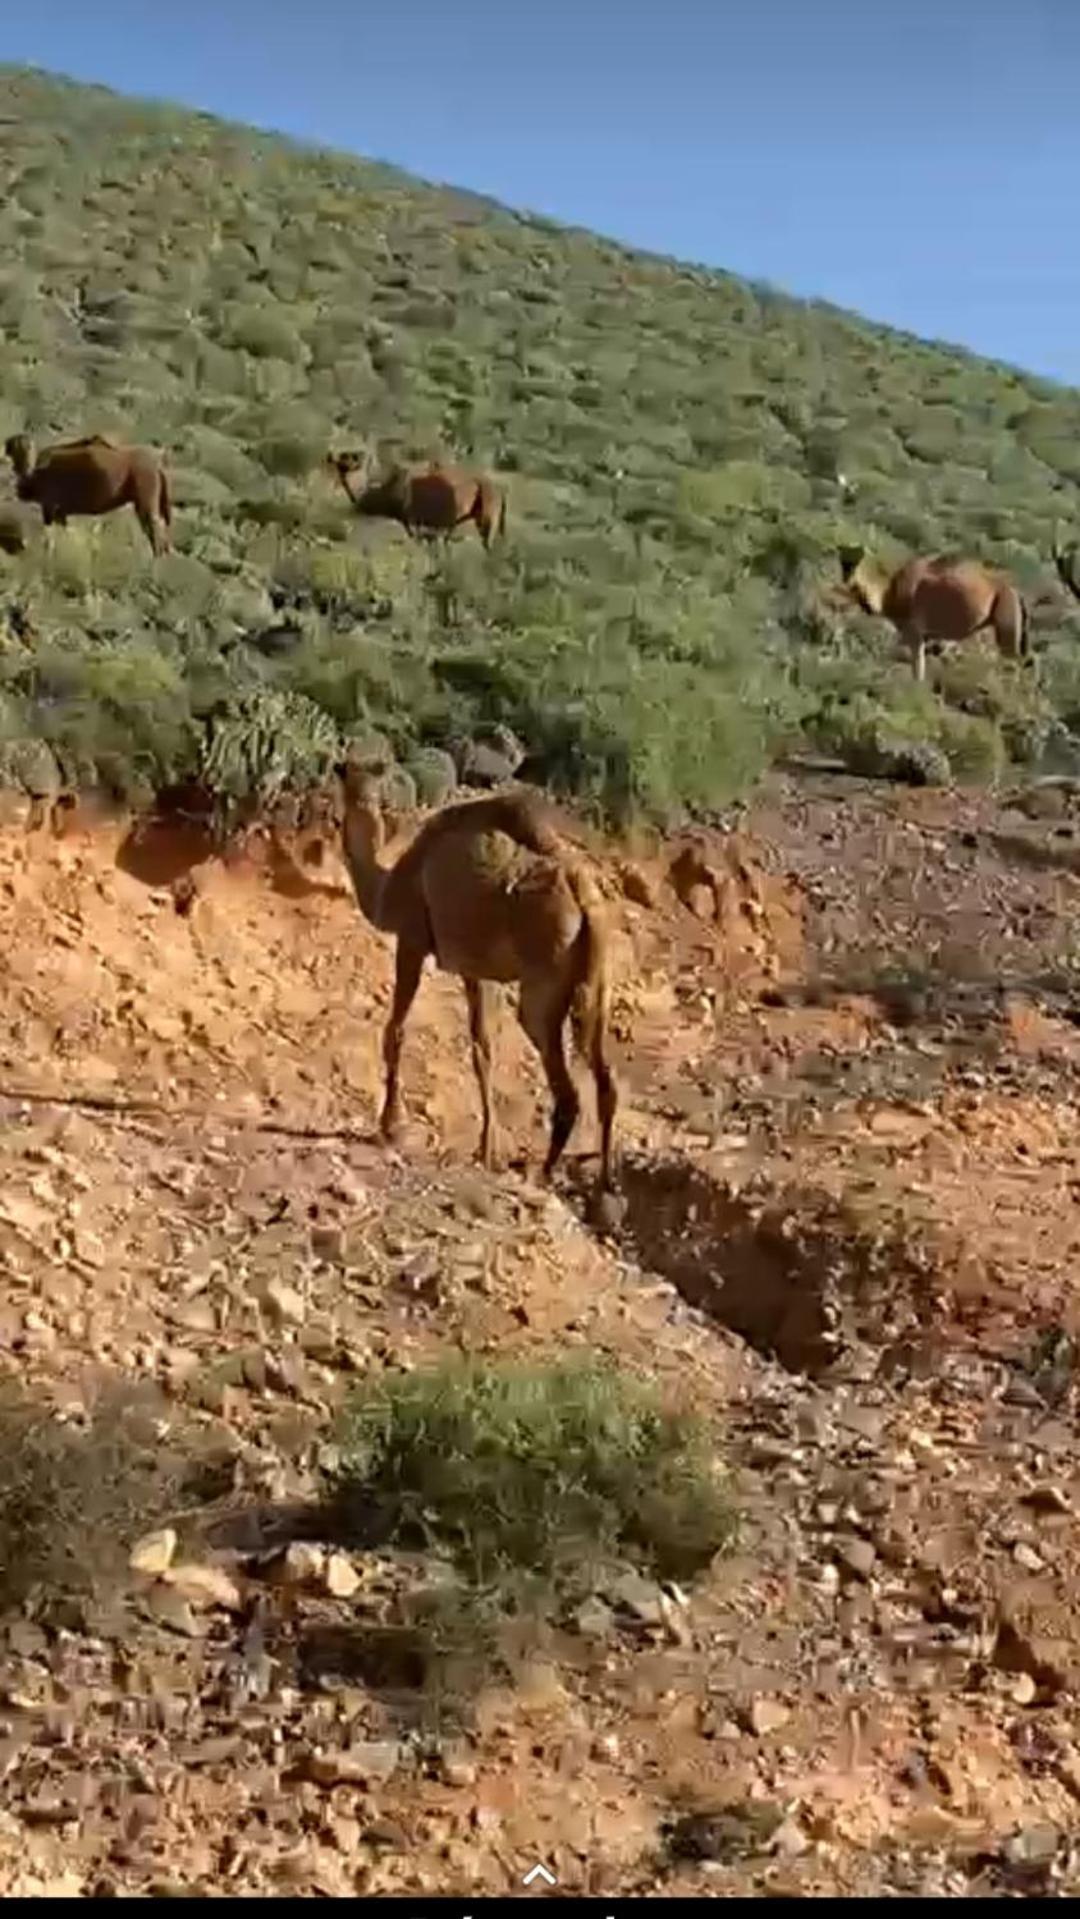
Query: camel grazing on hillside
point(429, 499)
point(93, 476)
point(938, 599)
point(490, 891)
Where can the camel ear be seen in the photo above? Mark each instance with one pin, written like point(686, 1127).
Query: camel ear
point(850, 558)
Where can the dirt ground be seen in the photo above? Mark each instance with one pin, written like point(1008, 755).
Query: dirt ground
point(851, 1214)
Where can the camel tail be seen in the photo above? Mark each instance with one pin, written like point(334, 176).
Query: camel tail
point(502, 516)
point(164, 497)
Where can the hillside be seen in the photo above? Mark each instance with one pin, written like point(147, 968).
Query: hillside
point(657, 623)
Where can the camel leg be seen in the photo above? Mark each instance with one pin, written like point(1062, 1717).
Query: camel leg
point(591, 1036)
point(541, 1016)
point(607, 1105)
point(479, 1034)
point(408, 966)
point(917, 648)
point(148, 522)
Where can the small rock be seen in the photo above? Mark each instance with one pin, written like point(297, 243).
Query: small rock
point(195, 1316)
point(1047, 1499)
point(1027, 1557)
point(1032, 1846)
point(153, 1553)
point(204, 1585)
point(640, 1597)
point(456, 1769)
point(594, 1619)
point(341, 1576)
point(1023, 1689)
point(789, 1840)
point(284, 1302)
point(173, 1610)
point(328, 1242)
point(301, 1564)
point(856, 1556)
point(357, 1766)
point(765, 1715)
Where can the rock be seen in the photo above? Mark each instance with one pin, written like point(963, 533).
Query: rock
point(1047, 1499)
point(594, 1618)
point(637, 886)
point(856, 1556)
point(456, 1768)
point(341, 1577)
point(1023, 1689)
point(283, 1302)
point(789, 1840)
point(765, 1715)
point(194, 1316)
point(1032, 1847)
point(204, 1585)
point(173, 1610)
point(359, 1765)
point(1027, 1557)
point(491, 758)
point(153, 1553)
point(640, 1597)
point(301, 1564)
point(328, 1242)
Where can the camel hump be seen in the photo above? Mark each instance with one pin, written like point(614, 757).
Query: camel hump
point(89, 439)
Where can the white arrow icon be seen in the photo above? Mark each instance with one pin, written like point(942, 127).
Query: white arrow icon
point(538, 1872)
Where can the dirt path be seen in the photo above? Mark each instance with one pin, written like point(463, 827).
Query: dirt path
point(853, 1209)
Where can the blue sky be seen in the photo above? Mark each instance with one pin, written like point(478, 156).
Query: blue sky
point(917, 162)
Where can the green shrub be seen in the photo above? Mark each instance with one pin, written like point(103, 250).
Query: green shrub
point(558, 1469)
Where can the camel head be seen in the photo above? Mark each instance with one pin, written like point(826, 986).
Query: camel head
point(359, 779)
point(19, 449)
point(352, 470)
point(861, 583)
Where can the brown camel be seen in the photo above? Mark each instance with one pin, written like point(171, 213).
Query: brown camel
point(432, 499)
point(93, 476)
point(938, 599)
point(488, 889)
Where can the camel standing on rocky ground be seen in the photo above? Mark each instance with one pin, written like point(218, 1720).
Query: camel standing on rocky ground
point(94, 476)
point(428, 499)
point(938, 599)
point(488, 889)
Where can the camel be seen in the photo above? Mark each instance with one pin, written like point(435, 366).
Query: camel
point(92, 476)
point(939, 599)
point(434, 499)
point(489, 890)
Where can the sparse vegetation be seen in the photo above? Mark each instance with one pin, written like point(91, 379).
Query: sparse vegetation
point(76, 1492)
point(558, 1469)
point(530, 1486)
point(657, 623)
